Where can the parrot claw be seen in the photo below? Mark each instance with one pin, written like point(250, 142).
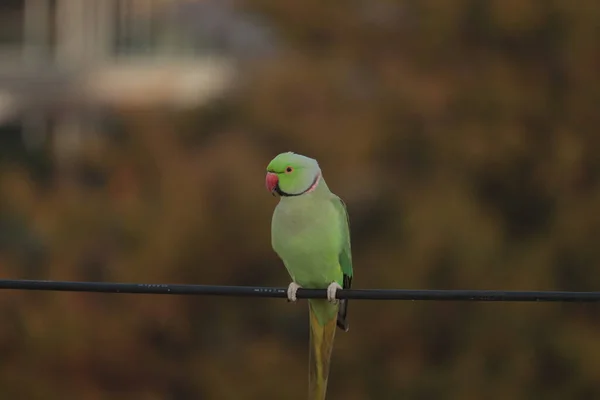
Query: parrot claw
point(331, 290)
point(291, 291)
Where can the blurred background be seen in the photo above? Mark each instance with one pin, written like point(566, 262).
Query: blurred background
point(134, 137)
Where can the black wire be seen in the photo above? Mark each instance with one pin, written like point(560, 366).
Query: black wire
point(249, 291)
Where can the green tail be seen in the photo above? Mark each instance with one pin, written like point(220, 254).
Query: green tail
point(323, 325)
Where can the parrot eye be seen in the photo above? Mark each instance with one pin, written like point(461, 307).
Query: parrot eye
point(289, 169)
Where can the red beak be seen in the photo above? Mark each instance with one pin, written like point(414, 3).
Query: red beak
point(271, 181)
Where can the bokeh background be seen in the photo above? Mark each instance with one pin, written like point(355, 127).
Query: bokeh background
point(134, 136)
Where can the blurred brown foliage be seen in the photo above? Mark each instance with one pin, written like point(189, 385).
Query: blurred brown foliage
point(463, 137)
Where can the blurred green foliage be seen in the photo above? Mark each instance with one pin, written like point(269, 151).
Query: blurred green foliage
point(463, 137)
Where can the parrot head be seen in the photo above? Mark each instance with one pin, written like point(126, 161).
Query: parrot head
point(291, 174)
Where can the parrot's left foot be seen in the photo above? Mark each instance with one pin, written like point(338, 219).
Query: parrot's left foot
point(291, 292)
point(331, 290)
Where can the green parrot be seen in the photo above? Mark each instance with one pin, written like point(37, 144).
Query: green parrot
point(311, 234)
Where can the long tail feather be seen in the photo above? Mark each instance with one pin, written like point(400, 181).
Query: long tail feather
point(322, 333)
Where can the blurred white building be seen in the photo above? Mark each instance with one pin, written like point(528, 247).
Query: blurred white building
point(59, 58)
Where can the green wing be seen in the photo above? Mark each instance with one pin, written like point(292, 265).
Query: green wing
point(345, 260)
point(345, 256)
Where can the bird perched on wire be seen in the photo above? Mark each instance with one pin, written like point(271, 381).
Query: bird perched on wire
point(311, 234)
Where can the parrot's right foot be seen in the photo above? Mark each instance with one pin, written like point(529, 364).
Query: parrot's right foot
point(331, 291)
point(291, 292)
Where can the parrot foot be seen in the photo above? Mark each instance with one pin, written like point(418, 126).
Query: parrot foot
point(291, 291)
point(331, 290)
